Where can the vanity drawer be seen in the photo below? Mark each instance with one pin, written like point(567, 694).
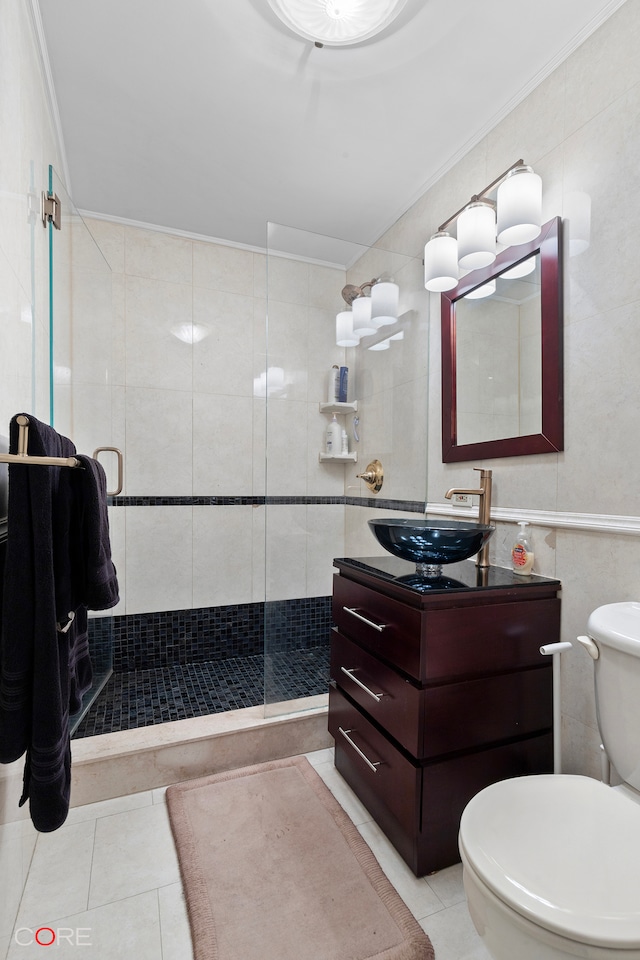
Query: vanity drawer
point(471, 641)
point(384, 626)
point(383, 778)
point(477, 713)
point(384, 694)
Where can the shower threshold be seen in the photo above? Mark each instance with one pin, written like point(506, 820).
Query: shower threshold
point(140, 698)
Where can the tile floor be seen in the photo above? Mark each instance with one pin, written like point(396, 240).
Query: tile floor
point(109, 878)
point(139, 698)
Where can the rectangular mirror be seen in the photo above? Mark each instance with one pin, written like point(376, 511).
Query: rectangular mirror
point(502, 355)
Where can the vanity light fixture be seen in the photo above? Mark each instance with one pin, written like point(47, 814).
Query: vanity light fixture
point(519, 206)
point(368, 313)
point(477, 235)
point(514, 217)
point(337, 23)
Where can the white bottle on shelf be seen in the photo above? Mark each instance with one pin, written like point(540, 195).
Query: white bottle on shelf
point(344, 448)
point(333, 387)
point(333, 437)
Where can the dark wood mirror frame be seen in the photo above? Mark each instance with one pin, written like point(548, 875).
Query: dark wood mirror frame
point(549, 245)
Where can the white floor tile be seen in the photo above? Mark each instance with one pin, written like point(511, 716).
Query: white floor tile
point(343, 794)
point(416, 893)
point(58, 880)
point(128, 928)
point(174, 924)
point(454, 936)
point(106, 808)
point(133, 852)
point(448, 886)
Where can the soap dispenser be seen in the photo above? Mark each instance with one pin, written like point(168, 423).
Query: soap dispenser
point(522, 553)
point(334, 436)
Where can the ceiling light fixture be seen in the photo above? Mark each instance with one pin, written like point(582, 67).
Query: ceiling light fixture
point(514, 218)
point(337, 23)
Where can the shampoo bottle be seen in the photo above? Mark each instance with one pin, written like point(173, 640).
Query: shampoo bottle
point(333, 437)
point(333, 389)
point(522, 554)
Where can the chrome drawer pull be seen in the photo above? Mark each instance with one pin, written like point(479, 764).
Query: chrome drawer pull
point(376, 696)
point(376, 626)
point(374, 766)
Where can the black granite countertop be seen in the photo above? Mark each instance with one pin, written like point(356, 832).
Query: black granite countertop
point(464, 576)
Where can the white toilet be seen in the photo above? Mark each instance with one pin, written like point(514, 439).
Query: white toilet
point(551, 864)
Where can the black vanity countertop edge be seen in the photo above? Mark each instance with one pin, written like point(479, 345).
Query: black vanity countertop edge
point(456, 577)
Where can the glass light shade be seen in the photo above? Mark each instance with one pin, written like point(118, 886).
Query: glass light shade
point(519, 207)
point(441, 263)
point(578, 212)
point(522, 269)
point(385, 297)
point(337, 22)
point(345, 337)
point(363, 325)
point(485, 290)
point(476, 236)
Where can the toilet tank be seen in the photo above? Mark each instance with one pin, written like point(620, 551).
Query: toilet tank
point(615, 628)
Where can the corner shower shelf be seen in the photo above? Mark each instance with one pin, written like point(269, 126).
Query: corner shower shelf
point(353, 457)
point(339, 408)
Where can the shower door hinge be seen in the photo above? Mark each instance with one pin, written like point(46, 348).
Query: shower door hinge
point(51, 209)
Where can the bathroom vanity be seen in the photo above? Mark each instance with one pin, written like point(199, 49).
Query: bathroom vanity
point(437, 690)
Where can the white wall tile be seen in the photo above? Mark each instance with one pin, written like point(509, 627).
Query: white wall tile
point(158, 256)
point(222, 564)
point(223, 268)
point(222, 445)
point(159, 571)
point(155, 356)
point(158, 453)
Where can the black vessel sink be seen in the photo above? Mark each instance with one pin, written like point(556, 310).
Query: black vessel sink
point(430, 543)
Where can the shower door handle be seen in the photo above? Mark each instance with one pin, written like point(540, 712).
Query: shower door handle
point(118, 453)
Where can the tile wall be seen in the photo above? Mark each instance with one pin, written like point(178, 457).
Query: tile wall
point(580, 129)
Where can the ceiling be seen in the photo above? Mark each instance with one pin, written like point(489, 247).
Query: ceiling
point(210, 117)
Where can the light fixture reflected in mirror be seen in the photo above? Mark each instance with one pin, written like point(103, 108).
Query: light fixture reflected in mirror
point(363, 325)
point(368, 313)
point(345, 335)
point(484, 290)
point(190, 332)
point(384, 302)
point(522, 269)
point(514, 218)
point(577, 210)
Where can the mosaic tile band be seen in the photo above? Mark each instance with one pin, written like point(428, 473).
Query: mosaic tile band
point(410, 506)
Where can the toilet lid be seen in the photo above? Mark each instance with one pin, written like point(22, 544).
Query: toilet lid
point(563, 851)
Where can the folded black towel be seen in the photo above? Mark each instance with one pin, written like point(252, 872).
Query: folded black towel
point(53, 565)
point(99, 590)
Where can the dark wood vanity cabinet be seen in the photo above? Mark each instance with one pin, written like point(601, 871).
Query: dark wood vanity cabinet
point(434, 695)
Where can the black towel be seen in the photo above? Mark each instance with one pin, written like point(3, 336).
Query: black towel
point(44, 657)
point(99, 589)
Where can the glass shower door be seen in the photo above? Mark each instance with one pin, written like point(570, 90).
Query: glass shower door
point(81, 375)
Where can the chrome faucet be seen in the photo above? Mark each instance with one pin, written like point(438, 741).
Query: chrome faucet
point(484, 508)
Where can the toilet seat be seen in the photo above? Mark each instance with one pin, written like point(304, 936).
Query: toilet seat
point(561, 851)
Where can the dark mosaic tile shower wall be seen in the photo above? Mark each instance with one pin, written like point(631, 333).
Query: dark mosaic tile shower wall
point(188, 663)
